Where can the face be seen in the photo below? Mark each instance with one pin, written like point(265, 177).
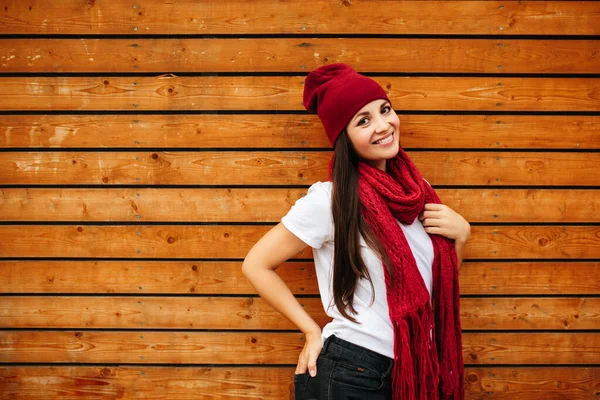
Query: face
point(375, 133)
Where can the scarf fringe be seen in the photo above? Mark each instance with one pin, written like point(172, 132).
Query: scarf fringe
point(415, 375)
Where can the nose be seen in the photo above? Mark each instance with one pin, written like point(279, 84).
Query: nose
point(381, 124)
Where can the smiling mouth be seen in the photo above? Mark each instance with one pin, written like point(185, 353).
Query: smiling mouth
point(385, 140)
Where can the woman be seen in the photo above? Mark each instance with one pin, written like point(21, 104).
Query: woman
point(386, 256)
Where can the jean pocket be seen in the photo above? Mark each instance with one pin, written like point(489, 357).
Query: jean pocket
point(356, 376)
point(300, 382)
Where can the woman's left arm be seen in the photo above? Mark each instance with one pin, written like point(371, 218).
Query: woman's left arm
point(440, 219)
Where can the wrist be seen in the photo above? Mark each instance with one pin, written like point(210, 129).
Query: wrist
point(314, 331)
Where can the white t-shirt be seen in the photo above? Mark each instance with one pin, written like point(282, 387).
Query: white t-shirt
point(311, 220)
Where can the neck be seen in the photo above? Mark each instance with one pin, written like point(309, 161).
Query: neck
point(379, 164)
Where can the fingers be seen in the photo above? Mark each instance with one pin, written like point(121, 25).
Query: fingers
point(434, 230)
point(302, 364)
point(308, 362)
point(434, 207)
point(312, 364)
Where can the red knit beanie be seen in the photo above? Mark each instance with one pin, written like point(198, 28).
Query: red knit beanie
point(336, 92)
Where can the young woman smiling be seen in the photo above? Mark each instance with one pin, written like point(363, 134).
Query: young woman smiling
point(386, 256)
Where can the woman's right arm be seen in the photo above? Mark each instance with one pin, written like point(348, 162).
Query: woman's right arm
point(275, 247)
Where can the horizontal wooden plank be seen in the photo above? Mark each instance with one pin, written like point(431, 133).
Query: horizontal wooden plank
point(267, 383)
point(269, 205)
point(514, 278)
point(534, 242)
point(147, 277)
point(285, 93)
point(153, 347)
point(292, 131)
point(233, 241)
point(192, 312)
point(286, 168)
point(183, 205)
point(531, 348)
point(299, 54)
point(219, 277)
point(148, 347)
point(308, 17)
point(511, 383)
point(529, 313)
point(113, 382)
point(246, 313)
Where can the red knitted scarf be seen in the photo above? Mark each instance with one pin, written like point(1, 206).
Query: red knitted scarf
point(420, 370)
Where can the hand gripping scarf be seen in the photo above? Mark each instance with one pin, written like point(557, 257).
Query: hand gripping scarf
point(424, 367)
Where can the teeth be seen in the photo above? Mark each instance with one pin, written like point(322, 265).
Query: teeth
point(386, 140)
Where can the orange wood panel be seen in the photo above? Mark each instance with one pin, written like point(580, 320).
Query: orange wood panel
point(132, 312)
point(529, 313)
point(307, 17)
point(232, 241)
point(292, 131)
point(267, 383)
point(150, 347)
point(269, 205)
point(192, 312)
point(285, 93)
point(547, 383)
point(144, 277)
point(531, 348)
point(287, 168)
point(143, 204)
point(154, 347)
point(540, 242)
point(299, 55)
point(220, 277)
point(147, 382)
point(511, 278)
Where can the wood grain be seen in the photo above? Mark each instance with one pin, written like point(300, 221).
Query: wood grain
point(292, 131)
point(269, 205)
point(144, 277)
point(150, 347)
point(285, 93)
point(222, 277)
point(308, 17)
point(299, 55)
point(155, 347)
point(287, 168)
point(250, 313)
point(514, 278)
point(267, 383)
point(113, 382)
point(233, 241)
point(531, 348)
point(548, 383)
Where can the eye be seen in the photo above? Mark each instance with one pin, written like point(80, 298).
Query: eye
point(362, 121)
point(386, 109)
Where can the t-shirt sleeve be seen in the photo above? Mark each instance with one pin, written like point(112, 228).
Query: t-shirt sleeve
point(310, 218)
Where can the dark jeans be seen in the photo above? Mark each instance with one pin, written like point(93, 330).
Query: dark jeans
point(346, 371)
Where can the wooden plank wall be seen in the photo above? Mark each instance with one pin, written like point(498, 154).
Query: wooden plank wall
point(146, 145)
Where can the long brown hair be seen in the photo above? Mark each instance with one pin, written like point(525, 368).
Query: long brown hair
point(349, 225)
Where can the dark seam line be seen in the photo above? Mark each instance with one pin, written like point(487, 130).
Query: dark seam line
point(281, 149)
point(145, 186)
point(305, 36)
point(300, 260)
point(164, 295)
point(301, 296)
point(283, 331)
point(295, 74)
point(233, 224)
point(291, 112)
